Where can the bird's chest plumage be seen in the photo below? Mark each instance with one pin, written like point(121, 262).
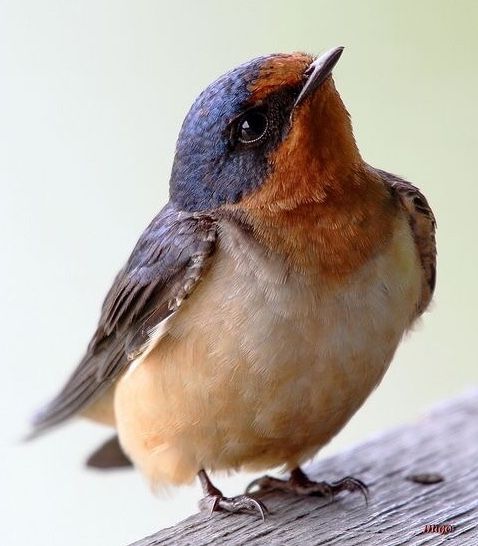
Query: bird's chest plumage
point(264, 364)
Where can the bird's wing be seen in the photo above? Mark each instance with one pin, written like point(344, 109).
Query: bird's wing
point(423, 224)
point(163, 269)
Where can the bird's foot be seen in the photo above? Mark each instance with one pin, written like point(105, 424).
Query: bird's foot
point(300, 484)
point(244, 504)
point(215, 501)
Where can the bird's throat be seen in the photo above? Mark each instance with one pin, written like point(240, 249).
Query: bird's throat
point(334, 235)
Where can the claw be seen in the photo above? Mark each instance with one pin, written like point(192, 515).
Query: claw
point(351, 484)
point(214, 501)
point(213, 506)
point(239, 504)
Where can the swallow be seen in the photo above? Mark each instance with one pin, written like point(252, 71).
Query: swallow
point(266, 300)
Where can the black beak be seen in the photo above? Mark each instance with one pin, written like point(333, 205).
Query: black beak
point(318, 72)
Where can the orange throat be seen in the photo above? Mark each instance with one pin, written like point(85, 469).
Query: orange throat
point(321, 206)
point(334, 234)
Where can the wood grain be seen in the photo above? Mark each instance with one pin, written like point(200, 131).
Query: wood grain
point(444, 442)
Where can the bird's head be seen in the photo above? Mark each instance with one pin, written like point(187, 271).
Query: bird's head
point(272, 132)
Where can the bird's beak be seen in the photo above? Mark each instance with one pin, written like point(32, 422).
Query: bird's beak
point(318, 72)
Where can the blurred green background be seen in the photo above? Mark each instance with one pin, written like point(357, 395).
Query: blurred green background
point(92, 95)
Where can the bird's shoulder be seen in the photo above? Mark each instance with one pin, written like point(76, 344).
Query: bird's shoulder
point(423, 225)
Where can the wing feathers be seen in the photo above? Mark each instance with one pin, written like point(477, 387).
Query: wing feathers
point(423, 224)
point(165, 266)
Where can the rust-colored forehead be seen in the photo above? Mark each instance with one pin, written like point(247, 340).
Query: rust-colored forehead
point(278, 71)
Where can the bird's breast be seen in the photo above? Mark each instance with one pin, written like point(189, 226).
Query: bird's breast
point(263, 364)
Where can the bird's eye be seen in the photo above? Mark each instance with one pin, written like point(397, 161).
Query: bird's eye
point(252, 127)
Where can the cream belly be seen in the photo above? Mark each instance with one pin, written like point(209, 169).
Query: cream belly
point(263, 365)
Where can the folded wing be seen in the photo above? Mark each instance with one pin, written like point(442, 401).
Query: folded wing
point(423, 225)
point(165, 266)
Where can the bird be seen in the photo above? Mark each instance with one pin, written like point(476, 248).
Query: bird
point(265, 301)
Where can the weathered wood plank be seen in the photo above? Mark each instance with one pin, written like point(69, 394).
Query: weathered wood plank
point(444, 442)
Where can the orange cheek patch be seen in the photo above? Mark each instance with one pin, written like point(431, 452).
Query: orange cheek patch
point(279, 71)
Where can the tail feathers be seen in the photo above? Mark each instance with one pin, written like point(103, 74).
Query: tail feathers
point(108, 456)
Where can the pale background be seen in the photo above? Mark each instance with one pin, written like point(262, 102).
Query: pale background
point(92, 95)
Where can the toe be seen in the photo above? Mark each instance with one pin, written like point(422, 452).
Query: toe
point(242, 504)
point(351, 484)
point(260, 484)
point(248, 504)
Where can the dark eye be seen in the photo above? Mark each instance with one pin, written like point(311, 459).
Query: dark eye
point(252, 127)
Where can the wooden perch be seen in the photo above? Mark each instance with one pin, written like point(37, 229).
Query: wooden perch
point(403, 508)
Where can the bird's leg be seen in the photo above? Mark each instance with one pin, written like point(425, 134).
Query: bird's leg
point(300, 484)
point(215, 501)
